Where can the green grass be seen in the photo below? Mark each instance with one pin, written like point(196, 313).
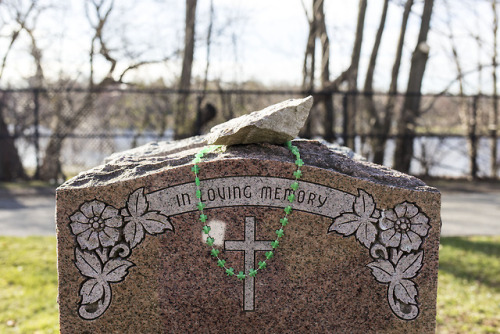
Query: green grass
point(469, 285)
point(28, 285)
point(468, 293)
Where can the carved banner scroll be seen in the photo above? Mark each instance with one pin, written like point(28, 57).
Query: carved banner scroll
point(105, 235)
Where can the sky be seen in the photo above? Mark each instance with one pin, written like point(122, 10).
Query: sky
point(260, 40)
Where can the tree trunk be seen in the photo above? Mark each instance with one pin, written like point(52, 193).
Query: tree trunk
point(374, 117)
point(51, 169)
point(11, 167)
point(352, 80)
point(182, 129)
point(493, 127)
point(309, 65)
point(326, 99)
point(385, 126)
point(411, 107)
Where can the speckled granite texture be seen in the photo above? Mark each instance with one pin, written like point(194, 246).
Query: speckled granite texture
point(359, 255)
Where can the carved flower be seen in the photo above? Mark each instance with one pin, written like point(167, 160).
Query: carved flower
point(96, 224)
point(403, 227)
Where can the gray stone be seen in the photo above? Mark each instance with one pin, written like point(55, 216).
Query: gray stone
point(275, 124)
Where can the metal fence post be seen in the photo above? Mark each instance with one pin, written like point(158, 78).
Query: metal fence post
point(473, 138)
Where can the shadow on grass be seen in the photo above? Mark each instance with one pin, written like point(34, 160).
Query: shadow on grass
point(474, 259)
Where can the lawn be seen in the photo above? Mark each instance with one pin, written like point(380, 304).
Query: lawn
point(468, 295)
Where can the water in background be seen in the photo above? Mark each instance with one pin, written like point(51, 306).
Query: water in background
point(441, 157)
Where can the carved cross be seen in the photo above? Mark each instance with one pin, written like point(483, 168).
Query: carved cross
point(249, 246)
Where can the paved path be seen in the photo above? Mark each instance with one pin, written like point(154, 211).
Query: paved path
point(27, 212)
point(464, 212)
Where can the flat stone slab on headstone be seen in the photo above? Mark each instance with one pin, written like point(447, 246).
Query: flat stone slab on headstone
point(275, 124)
point(360, 252)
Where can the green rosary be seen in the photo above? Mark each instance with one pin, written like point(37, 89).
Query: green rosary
point(279, 233)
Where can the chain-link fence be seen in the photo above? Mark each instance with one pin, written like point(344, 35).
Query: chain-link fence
point(453, 133)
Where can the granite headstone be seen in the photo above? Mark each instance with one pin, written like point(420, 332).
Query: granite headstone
point(359, 255)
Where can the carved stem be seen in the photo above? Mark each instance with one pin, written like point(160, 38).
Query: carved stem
point(404, 311)
point(95, 310)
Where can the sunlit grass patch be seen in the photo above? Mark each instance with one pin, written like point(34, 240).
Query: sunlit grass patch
point(28, 285)
point(469, 285)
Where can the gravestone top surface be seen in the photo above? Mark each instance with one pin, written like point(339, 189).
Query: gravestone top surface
point(153, 157)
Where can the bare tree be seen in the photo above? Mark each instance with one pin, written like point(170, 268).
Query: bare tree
point(493, 117)
point(309, 64)
point(98, 14)
point(181, 129)
point(352, 78)
point(411, 106)
point(376, 120)
point(323, 102)
point(11, 166)
point(205, 113)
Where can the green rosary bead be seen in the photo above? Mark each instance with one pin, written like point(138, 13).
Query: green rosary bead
point(262, 264)
point(201, 206)
point(230, 272)
point(252, 273)
point(299, 162)
point(297, 174)
point(294, 186)
point(214, 252)
point(291, 198)
point(288, 210)
point(284, 221)
point(198, 193)
point(280, 233)
point(197, 181)
point(221, 263)
point(210, 241)
point(241, 276)
point(195, 169)
point(269, 255)
point(275, 244)
point(203, 218)
point(206, 229)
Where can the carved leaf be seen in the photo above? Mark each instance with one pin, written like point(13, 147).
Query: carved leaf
point(137, 204)
point(92, 290)
point(406, 291)
point(409, 265)
point(134, 233)
point(382, 270)
point(364, 205)
point(115, 270)
point(88, 263)
point(154, 222)
point(345, 224)
point(366, 233)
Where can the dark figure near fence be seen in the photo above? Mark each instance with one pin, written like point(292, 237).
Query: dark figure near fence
point(204, 115)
